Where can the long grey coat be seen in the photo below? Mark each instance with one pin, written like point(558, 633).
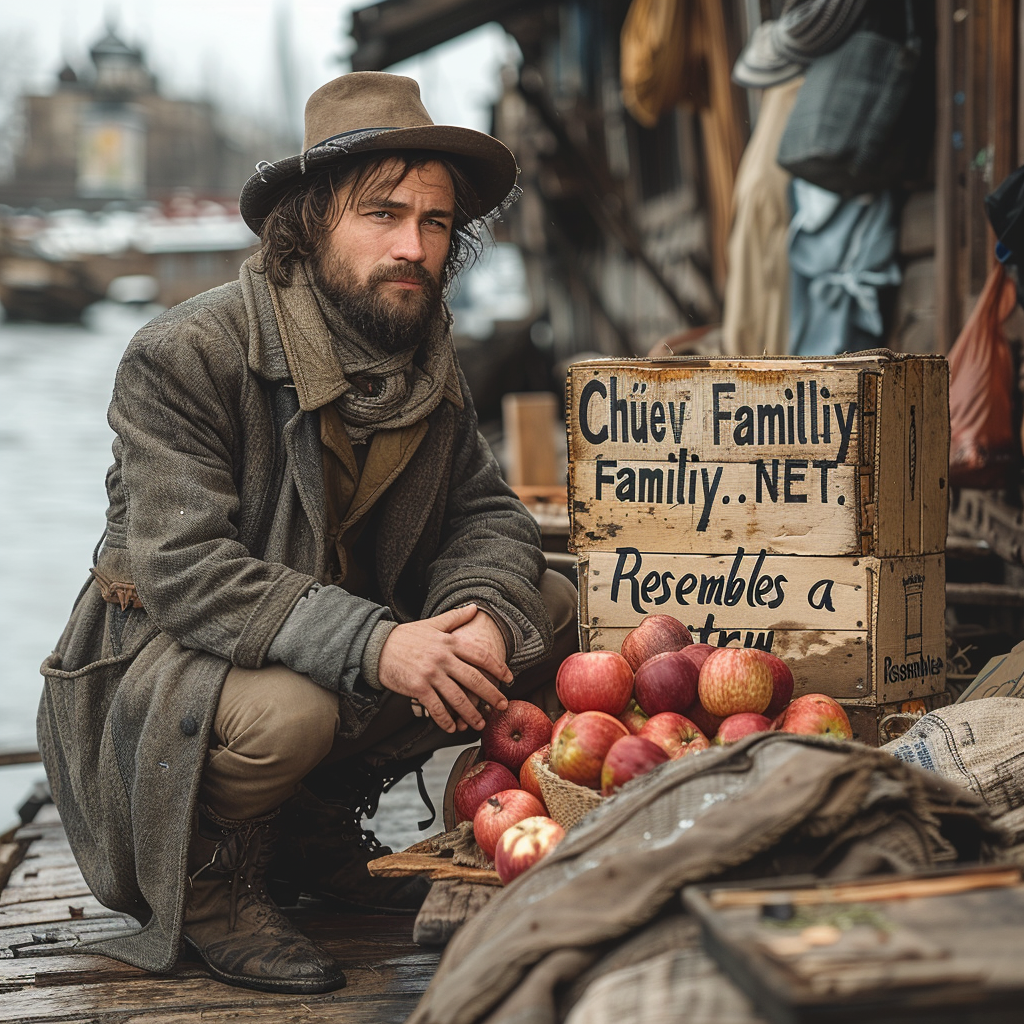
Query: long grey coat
point(216, 515)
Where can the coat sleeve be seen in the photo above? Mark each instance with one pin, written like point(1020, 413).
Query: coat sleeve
point(490, 548)
point(177, 413)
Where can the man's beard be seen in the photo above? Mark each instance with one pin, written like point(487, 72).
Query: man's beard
point(390, 323)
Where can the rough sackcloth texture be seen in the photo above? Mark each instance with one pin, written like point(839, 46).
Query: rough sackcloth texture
point(770, 805)
point(216, 519)
point(979, 745)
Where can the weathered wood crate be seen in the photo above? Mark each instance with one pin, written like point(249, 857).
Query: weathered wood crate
point(794, 505)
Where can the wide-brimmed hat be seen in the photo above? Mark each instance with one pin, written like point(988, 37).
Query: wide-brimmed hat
point(371, 110)
point(781, 49)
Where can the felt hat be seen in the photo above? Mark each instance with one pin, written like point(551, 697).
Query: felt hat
point(371, 110)
point(781, 49)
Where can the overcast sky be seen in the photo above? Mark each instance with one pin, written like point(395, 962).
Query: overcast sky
point(229, 50)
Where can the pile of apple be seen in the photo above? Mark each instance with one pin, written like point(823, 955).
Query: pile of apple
point(662, 698)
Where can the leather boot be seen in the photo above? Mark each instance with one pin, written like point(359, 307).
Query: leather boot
point(232, 923)
point(326, 849)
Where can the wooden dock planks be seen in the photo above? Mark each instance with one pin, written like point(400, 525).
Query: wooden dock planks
point(46, 910)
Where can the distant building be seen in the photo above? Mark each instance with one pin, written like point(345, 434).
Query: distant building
point(110, 135)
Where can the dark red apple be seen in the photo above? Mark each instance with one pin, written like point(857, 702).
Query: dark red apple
point(523, 844)
point(594, 681)
point(675, 734)
point(634, 717)
point(579, 752)
point(699, 653)
point(735, 727)
point(528, 773)
point(703, 719)
point(560, 724)
point(512, 735)
point(501, 811)
point(733, 680)
point(655, 635)
point(666, 682)
point(814, 714)
point(782, 683)
point(484, 779)
point(628, 757)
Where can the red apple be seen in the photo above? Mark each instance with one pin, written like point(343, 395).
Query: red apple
point(814, 714)
point(699, 653)
point(628, 757)
point(735, 727)
point(666, 682)
point(512, 735)
point(735, 679)
point(655, 635)
point(702, 718)
point(560, 724)
point(523, 844)
point(633, 718)
point(675, 734)
point(579, 752)
point(501, 811)
point(484, 779)
point(782, 683)
point(528, 773)
point(594, 681)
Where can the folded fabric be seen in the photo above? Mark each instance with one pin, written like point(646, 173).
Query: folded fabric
point(772, 804)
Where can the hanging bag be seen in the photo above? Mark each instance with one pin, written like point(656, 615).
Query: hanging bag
point(838, 134)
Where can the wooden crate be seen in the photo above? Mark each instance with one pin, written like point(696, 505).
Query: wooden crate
point(846, 456)
point(722, 492)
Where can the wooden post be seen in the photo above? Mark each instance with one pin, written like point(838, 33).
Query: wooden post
point(529, 420)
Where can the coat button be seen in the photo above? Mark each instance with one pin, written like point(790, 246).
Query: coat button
point(189, 726)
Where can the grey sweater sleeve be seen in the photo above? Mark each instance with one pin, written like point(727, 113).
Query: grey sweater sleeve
point(329, 636)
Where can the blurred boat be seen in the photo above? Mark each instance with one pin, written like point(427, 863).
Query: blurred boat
point(52, 266)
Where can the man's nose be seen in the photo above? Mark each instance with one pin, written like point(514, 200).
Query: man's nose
point(408, 244)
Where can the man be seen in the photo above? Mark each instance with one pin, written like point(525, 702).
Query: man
point(307, 543)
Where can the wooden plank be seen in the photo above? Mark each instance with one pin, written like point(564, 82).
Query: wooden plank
point(748, 591)
point(18, 755)
point(724, 411)
point(529, 421)
point(933, 455)
point(784, 505)
point(836, 663)
point(914, 438)
point(947, 323)
point(448, 906)
point(890, 438)
point(50, 911)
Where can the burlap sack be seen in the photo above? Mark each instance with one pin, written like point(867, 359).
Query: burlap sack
point(566, 802)
point(978, 744)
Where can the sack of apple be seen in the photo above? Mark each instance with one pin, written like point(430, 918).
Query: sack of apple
point(662, 698)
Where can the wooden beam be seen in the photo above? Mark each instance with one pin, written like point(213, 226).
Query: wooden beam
point(946, 305)
point(15, 755)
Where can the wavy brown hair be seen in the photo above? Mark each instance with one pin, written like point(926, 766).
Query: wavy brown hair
point(298, 225)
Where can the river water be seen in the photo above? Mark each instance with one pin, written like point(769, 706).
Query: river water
point(55, 384)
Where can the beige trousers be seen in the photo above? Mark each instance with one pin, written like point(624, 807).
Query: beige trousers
point(273, 726)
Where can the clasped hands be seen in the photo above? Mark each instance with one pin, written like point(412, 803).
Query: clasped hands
point(447, 664)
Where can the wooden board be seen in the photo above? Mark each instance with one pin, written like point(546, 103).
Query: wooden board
point(855, 628)
point(840, 457)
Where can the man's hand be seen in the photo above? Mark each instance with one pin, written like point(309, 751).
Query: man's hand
point(441, 663)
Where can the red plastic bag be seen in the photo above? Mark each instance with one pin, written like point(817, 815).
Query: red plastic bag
point(982, 446)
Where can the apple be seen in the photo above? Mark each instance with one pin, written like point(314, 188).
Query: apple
point(655, 635)
point(814, 714)
point(512, 735)
point(528, 773)
point(594, 681)
point(702, 718)
point(628, 757)
point(633, 718)
point(782, 683)
point(501, 811)
point(560, 724)
point(675, 734)
point(699, 653)
point(735, 679)
point(484, 779)
point(579, 752)
point(735, 727)
point(523, 844)
point(666, 682)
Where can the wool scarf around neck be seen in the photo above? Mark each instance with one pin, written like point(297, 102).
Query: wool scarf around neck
point(332, 362)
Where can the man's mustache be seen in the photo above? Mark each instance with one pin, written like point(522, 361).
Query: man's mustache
point(410, 272)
